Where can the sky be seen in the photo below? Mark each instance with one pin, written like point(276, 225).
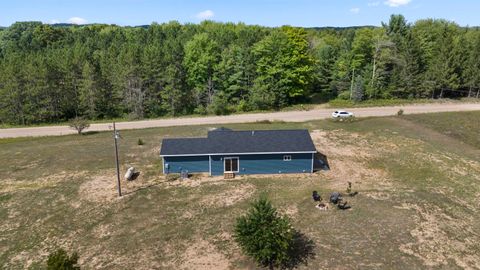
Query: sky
point(306, 13)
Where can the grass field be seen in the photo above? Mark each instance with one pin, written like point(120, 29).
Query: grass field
point(418, 179)
point(342, 103)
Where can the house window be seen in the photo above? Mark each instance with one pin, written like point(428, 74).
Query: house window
point(231, 164)
point(287, 158)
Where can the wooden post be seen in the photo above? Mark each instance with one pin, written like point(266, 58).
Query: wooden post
point(115, 137)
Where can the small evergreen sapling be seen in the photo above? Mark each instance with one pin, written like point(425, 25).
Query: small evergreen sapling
point(264, 235)
point(59, 260)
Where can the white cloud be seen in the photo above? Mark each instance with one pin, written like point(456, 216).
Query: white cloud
point(373, 4)
point(77, 20)
point(396, 3)
point(204, 15)
point(53, 21)
point(355, 10)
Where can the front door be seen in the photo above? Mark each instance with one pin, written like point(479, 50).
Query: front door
point(230, 164)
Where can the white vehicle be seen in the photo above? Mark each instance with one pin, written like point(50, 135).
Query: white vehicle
point(337, 114)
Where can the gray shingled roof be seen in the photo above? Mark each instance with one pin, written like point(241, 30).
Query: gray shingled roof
point(238, 142)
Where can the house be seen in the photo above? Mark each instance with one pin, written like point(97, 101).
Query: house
point(240, 152)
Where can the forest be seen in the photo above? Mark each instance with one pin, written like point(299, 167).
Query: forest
point(52, 73)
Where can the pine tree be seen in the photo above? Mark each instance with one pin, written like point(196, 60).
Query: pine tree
point(264, 235)
point(88, 92)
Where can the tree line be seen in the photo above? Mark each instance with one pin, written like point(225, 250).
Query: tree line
point(54, 73)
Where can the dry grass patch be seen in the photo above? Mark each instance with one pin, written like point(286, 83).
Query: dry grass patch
point(203, 255)
point(433, 242)
point(232, 195)
point(13, 185)
point(348, 156)
point(99, 188)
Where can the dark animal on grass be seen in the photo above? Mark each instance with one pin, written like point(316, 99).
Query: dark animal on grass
point(343, 205)
point(335, 198)
point(353, 194)
point(316, 197)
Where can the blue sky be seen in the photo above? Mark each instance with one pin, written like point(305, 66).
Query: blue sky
point(306, 13)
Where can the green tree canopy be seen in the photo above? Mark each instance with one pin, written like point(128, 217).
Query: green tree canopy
point(264, 235)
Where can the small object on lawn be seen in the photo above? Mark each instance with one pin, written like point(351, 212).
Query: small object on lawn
point(184, 175)
point(130, 173)
point(335, 197)
point(349, 187)
point(322, 206)
point(343, 206)
point(353, 194)
point(316, 197)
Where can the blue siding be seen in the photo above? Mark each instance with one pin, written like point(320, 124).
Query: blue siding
point(266, 164)
point(191, 164)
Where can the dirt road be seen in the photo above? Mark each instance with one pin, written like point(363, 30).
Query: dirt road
point(290, 116)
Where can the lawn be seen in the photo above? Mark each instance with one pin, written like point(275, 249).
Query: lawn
point(418, 206)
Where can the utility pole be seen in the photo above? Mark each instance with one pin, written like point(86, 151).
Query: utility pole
point(116, 136)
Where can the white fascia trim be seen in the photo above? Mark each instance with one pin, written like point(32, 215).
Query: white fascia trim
point(163, 166)
point(210, 165)
point(253, 153)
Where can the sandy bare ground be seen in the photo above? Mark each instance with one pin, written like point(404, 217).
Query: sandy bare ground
point(289, 116)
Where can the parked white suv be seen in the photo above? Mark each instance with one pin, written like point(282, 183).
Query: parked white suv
point(337, 114)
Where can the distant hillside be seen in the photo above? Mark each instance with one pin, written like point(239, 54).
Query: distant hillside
point(66, 25)
point(335, 28)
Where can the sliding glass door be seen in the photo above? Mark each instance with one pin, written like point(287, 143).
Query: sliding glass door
point(231, 164)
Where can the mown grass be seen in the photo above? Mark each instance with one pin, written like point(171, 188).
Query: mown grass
point(465, 128)
point(43, 203)
point(342, 103)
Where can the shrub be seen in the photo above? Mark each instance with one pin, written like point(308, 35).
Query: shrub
point(265, 121)
point(219, 105)
point(172, 176)
point(243, 106)
point(140, 142)
point(59, 260)
point(79, 124)
point(400, 112)
point(200, 110)
point(264, 235)
point(345, 95)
